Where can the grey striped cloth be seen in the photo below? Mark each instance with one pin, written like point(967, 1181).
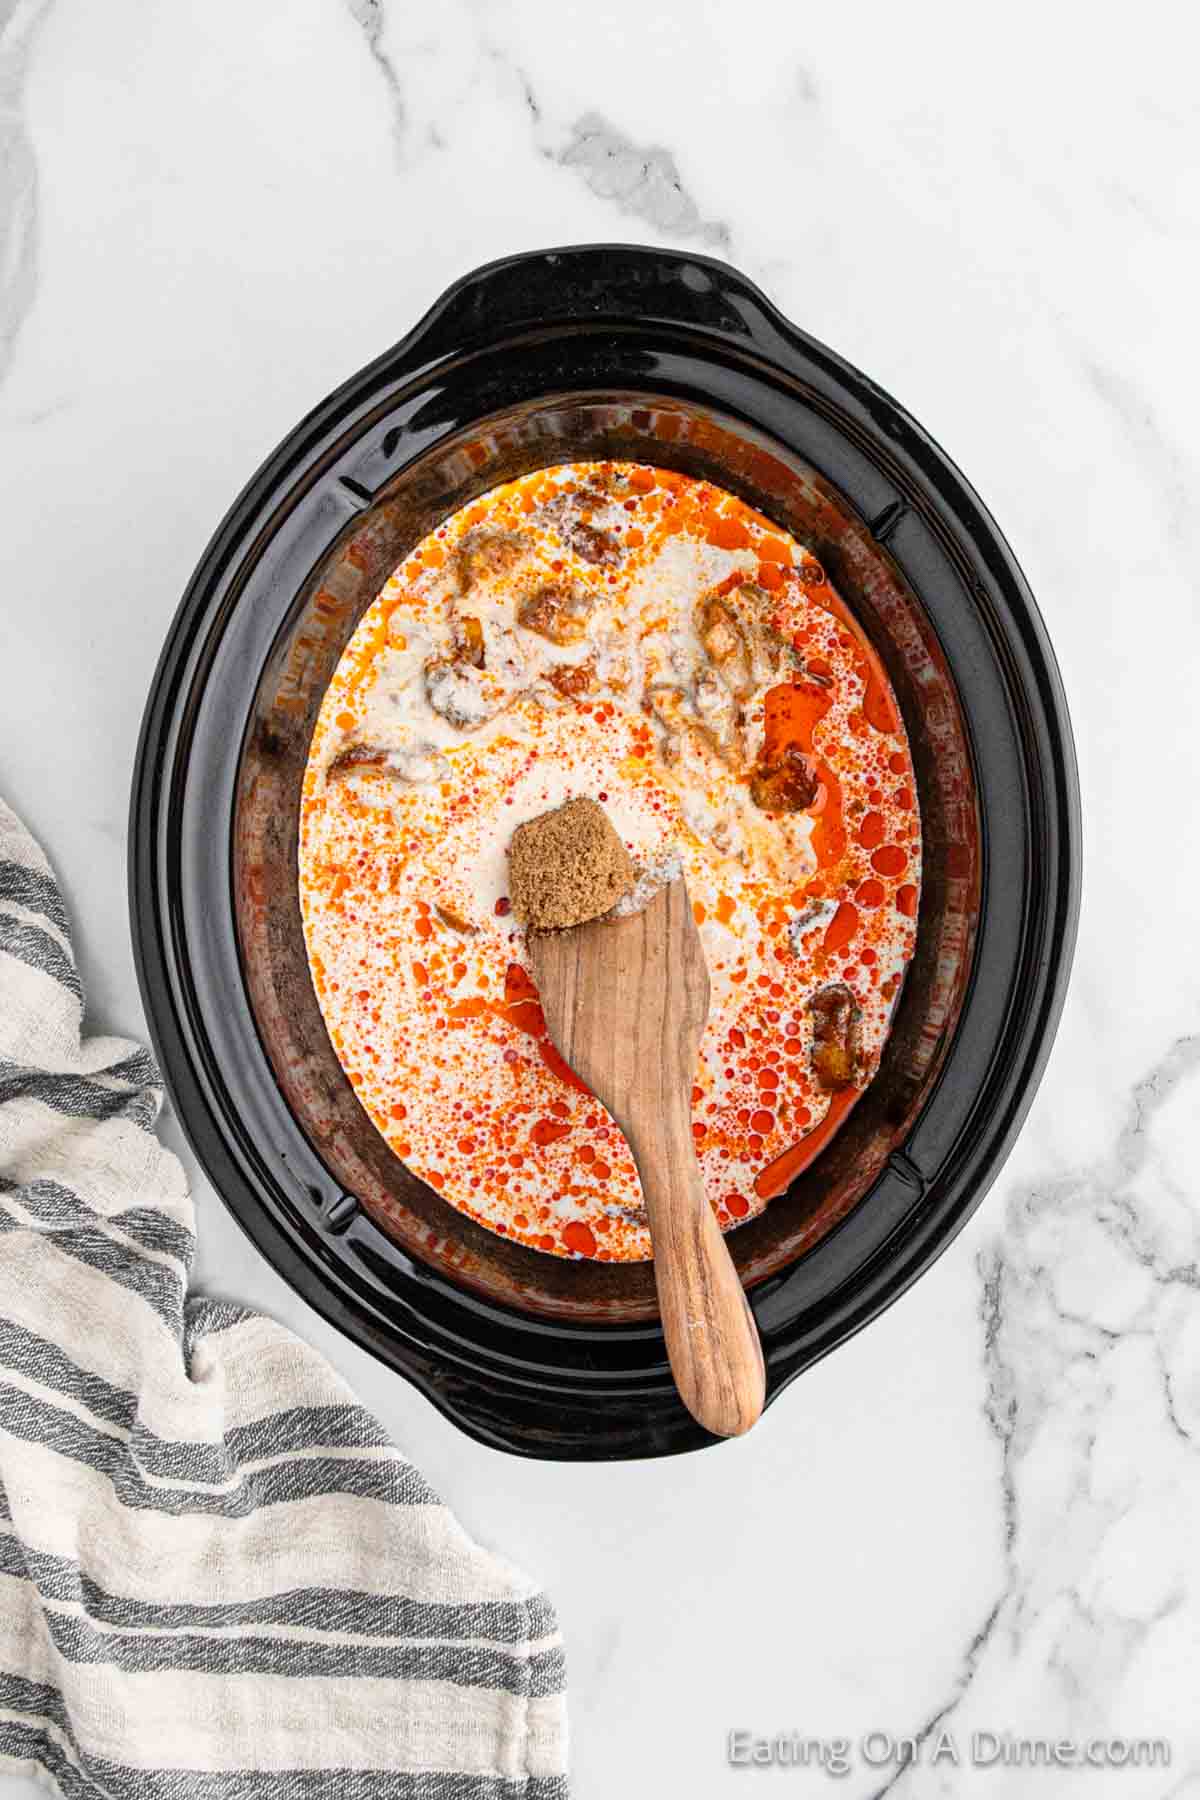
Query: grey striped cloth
point(218, 1580)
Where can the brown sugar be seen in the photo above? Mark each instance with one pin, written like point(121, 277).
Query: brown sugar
point(567, 866)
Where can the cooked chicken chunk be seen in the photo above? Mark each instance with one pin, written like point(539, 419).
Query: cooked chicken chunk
point(571, 516)
point(556, 612)
point(707, 713)
point(468, 640)
point(669, 705)
point(835, 1017)
point(769, 652)
point(573, 679)
point(716, 712)
point(787, 785)
point(488, 551)
point(591, 542)
point(484, 673)
point(457, 921)
point(417, 765)
point(464, 696)
point(722, 637)
point(356, 756)
point(740, 639)
point(719, 632)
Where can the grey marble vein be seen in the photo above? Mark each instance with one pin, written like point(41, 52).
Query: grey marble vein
point(19, 21)
point(642, 180)
point(371, 20)
point(940, 1718)
point(521, 77)
point(808, 91)
point(1056, 1371)
point(1171, 475)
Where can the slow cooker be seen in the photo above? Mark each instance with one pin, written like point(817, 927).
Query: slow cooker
point(596, 352)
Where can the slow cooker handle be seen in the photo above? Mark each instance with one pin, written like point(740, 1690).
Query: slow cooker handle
point(594, 285)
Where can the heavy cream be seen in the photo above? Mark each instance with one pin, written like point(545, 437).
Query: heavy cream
point(626, 633)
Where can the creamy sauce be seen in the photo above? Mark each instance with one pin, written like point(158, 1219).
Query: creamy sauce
point(630, 634)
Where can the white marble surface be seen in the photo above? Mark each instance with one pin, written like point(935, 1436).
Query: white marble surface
point(983, 1510)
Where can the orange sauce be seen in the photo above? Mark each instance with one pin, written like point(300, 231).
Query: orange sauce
point(779, 1175)
point(441, 1030)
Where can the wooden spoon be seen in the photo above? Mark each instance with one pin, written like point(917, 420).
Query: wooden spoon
point(625, 1001)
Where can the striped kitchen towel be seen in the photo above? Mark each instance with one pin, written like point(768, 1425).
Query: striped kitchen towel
point(218, 1580)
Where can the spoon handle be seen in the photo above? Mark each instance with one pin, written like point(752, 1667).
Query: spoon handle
point(712, 1340)
point(625, 1003)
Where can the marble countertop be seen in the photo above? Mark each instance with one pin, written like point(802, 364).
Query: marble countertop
point(980, 1514)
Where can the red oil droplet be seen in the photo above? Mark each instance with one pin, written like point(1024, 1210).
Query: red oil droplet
point(890, 860)
point(870, 832)
point(547, 1131)
point(842, 927)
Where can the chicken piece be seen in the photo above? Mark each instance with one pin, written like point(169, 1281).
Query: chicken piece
point(770, 654)
point(571, 516)
point(614, 667)
point(591, 542)
point(603, 486)
point(573, 679)
point(455, 920)
point(483, 675)
point(356, 756)
point(557, 613)
point(468, 640)
point(486, 550)
point(669, 705)
point(719, 632)
point(835, 1048)
point(723, 639)
point(708, 714)
point(575, 502)
point(787, 785)
point(738, 635)
point(716, 713)
point(659, 669)
point(464, 696)
point(417, 765)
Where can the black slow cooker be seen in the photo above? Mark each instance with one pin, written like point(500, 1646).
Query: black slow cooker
point(598, 351)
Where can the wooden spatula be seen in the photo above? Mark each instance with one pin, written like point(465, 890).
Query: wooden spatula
point(625, 1002)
